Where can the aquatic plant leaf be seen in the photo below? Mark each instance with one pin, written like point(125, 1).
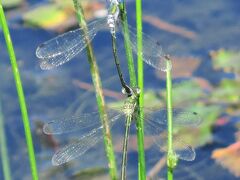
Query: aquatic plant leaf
point(180, 68)
point(227, 92)
point(186, 92)
point(202, 134)
point(46, 16)
point(228, 60)
point(59, 16)
point(229, 158)
point(11, 3)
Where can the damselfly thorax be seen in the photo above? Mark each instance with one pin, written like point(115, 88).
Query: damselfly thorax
point(131, 104)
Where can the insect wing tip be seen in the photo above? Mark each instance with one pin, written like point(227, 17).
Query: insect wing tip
point(56, 161)
point(187, 154)
point(40, 51)
point(44, 65)
point(47, 129)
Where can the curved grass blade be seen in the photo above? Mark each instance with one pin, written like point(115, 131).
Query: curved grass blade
point(63, 48)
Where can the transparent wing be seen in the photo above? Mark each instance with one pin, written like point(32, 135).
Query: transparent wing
point(156, 126)
point(63, 48)
point(152, 52)
point(180, 117)
point(79, 147)
point(182, 150)
point(75, 149)
point(83, 122)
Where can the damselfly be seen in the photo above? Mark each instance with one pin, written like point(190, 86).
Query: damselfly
point(155, 125)
point(63, 48)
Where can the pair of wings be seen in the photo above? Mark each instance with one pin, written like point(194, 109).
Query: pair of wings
point(63, 48)
point(155, 125)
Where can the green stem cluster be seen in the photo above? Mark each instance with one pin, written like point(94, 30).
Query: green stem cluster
point(99, 93)
point(3, 148)
point(133, 81)
point(21, 97)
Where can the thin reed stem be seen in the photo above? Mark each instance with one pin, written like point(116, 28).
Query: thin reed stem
point(128, 49)
point(99, 94)
point(125, 148)
point(140, 121)
point(171, 158)
point(21, 97)
point(3, 148)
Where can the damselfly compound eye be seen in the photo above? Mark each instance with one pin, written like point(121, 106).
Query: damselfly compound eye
point(124, 91)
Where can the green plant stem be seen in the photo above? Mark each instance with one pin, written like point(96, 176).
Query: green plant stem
point(3, 148)
point(99, 94)
point(169, 118)
point(125, 148)
point(140, 121)
point(21, 97)
point(128, 49)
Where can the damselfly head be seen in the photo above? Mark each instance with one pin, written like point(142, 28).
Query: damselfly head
point(124, 91)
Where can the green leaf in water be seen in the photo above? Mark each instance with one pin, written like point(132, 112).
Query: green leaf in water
point(11, 3)
point(47, 16)
point(185, 93)
point(227, 92)
point(228, 60)
point(202, 134)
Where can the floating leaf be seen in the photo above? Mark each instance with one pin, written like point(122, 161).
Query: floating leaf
point(47, 16)
point(186, 92)
point(11, 3)
point(199, 136)
point(59, 15)
point(180, 68)
point(227, 60)
point(229, 158)
point(227, 93)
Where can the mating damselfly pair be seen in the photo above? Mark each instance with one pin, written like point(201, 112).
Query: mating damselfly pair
point(63, 48)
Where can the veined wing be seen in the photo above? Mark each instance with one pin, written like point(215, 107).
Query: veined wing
point(180, 117)
point(152, 52)
point(82, 145)
point(85, 122)
point(182, 150)
point(63, 48)
point(78, 148)
point(156, 125)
